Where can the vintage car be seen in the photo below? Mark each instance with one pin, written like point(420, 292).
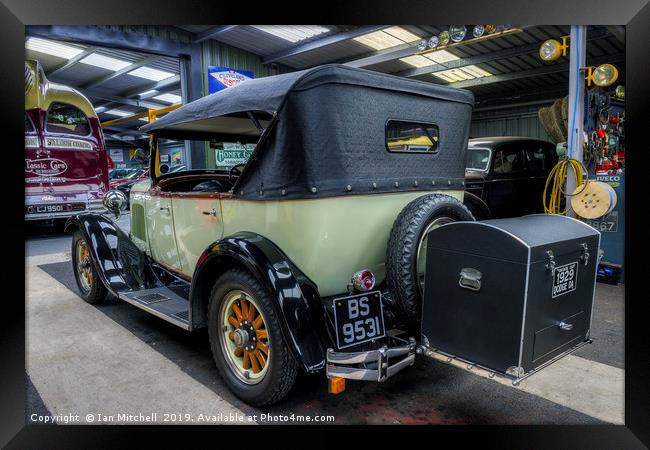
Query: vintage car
point(505, 176)
point(66, 164)
point(312, 250)
point(333, 249)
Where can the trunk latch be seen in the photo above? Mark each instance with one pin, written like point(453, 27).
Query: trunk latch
point(550, 261)
point(470, 279)
point(585, 254)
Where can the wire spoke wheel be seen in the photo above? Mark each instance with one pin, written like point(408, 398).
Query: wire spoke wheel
point(245, 340)
point(84, 265)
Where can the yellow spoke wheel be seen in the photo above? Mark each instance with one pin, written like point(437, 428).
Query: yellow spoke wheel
point(84, 267)
point(245, 342)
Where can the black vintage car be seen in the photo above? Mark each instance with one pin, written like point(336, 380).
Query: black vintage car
point(505, 176)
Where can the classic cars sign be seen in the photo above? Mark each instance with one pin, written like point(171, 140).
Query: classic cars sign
point(223, 77)
point(46, 167)
point(233, 154)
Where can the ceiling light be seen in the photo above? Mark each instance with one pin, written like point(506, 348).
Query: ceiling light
point(105, 62)
point(490, 29)
point(620, 91)
point(604, 75)
point(169, 98)
point(150, 73)
point(390, 37)
point(444, 37)
point(53, 48)
point(422, 45)
point(292, 33)
point(401, 34)
point(118, 112)
point(550, 50)
point(457, 32)
point(417, 61)
point(441, 56)
point(433, 42)
point(478, 31)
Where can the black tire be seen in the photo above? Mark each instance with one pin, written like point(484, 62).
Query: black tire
point(97, 291)
point(282, 367)
point(401, 258)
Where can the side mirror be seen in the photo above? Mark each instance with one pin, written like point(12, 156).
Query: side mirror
point(115, 201)
point(164, 168)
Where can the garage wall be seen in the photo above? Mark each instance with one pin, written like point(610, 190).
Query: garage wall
point(520, 121)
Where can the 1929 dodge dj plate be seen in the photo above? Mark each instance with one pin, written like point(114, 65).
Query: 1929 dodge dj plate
point(325, 252)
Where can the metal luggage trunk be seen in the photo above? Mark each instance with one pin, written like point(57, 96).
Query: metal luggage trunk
point(510, 295)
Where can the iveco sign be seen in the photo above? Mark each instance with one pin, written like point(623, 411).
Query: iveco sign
point(45, 166)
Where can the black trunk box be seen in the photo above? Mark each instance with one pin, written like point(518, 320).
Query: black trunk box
point(510, 294)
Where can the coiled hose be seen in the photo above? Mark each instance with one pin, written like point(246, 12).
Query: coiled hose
point(558, 177)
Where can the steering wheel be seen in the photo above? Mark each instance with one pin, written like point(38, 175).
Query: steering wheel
point(235, 171)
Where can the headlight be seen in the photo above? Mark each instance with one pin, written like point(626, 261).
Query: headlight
point(422, 45)
point(443, 38)
point(457, 32)
point(478, 31)
point(604, 75)
point(490, 29)
point(433, 42)
point(620, 91)
point(550, 50)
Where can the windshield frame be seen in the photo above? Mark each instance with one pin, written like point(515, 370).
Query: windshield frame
point(489, 161)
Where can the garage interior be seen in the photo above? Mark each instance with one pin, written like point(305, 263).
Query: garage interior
point(129, 71)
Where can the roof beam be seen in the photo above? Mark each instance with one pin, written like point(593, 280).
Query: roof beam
point(117, 99)
point(129, 68)
point(213, 32)
point(71, 62)
point(321, 42)
point(381, 56)
point(544, 70)
point(490, 56)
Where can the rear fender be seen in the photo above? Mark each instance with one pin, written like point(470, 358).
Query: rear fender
point(297, 302)
point(479, 209)
point(121, 266)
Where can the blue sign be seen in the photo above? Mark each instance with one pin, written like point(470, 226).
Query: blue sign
point(220, 78)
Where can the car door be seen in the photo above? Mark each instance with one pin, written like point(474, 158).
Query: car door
point(507, 174)
point(160, 229)
point(539, 162)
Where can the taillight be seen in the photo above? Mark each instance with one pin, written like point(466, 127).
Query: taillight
point(363, 280)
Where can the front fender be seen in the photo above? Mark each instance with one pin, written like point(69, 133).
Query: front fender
point(297, 302)
point(119, 263)
point(479, 209)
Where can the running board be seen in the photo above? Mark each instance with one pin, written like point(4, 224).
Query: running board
point(162, 302)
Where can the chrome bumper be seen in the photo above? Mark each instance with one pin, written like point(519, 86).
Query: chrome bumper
point(373, 365)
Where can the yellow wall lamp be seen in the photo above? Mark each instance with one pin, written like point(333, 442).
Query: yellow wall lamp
point(552, 49)
point(602, 76)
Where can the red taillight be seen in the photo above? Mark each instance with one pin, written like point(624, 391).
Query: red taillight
point(363, 280)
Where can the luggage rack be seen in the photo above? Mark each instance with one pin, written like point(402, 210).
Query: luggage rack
point(516, 375)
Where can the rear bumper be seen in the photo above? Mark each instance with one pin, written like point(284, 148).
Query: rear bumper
point(91, 206)
point(373, 365)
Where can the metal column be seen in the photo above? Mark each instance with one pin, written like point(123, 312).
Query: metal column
point(575, 138)
point(192, 89)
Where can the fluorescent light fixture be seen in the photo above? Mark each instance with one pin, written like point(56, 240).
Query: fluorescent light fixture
point(100, 109)
point(441, 56)
point(53, 48)
point(105, 62)
point(150, 73)
point(465, 73)
point(292, 33)
point(118, 112)
point(417, 61)
point(390, 37)
point(169, 98)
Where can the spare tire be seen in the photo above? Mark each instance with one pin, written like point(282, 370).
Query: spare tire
point(405, 261)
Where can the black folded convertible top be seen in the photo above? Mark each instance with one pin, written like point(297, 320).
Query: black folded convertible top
point(267, 94)
point(329, 131)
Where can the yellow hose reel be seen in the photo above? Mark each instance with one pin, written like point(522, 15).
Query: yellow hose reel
point(590, 199)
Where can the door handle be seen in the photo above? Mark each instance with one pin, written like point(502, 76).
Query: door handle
point(565, 326)
point(164, 208)
point(212, 212)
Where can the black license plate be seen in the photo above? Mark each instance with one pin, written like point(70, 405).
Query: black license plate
point(358, 318)
point(565, 279)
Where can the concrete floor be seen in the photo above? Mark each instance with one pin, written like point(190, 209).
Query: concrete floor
point(88, 364)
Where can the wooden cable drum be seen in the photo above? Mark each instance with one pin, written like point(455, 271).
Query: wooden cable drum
point(594, 200)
